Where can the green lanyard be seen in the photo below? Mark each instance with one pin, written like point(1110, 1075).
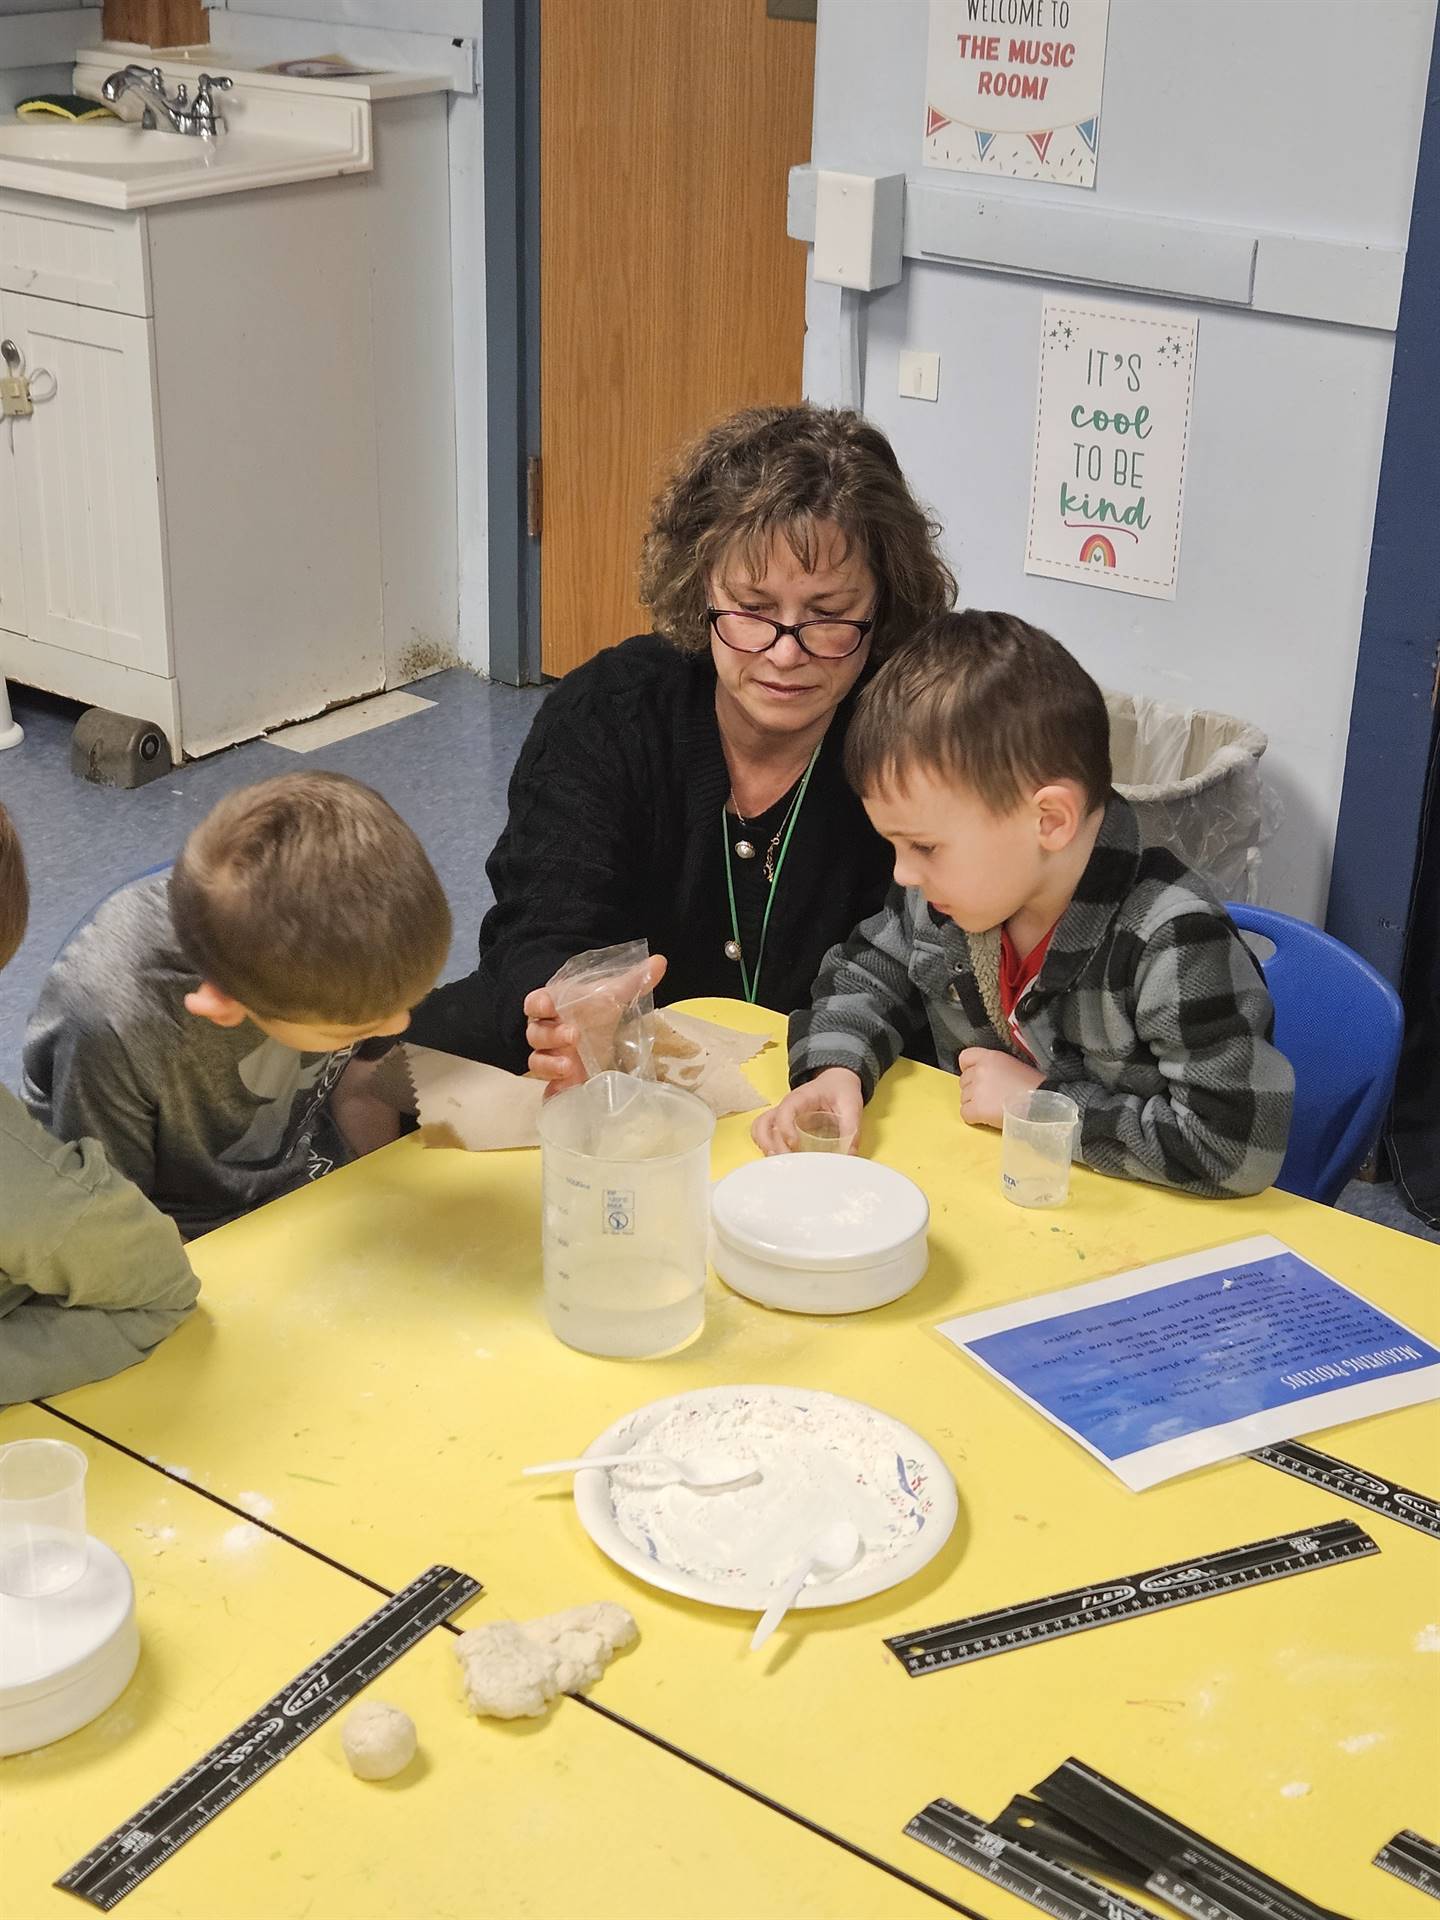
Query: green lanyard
point(751, 985)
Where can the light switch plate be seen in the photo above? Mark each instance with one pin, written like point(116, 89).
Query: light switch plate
point(920, 376)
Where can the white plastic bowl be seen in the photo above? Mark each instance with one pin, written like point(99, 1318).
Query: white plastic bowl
point(65, 1657)
point(819, 1233)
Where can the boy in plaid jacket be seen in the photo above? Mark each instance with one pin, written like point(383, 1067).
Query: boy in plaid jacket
point(1043, 943)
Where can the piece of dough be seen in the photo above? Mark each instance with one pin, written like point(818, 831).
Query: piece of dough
point(378, 1739)
point(615, 1625)
point(507, 1674)
point(513, 1670)
point(584, 1640)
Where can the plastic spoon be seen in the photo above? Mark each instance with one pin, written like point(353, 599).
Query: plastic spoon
point(831, 1552)
point(703, 1471)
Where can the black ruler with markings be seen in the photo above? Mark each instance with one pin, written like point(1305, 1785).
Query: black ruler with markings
point(1413, 1860)
point(1370, 1490)
point(1231, 1570)
point(1048, 1885)
point(1181, 1866)
point(146, 1841)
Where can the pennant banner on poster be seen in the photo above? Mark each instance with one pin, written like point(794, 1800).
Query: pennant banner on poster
point(1112, 426)
point(1012, 87)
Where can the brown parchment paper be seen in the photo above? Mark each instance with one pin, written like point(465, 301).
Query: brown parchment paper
point(460, 1103)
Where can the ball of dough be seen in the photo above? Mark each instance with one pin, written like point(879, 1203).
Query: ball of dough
point(379, 1740)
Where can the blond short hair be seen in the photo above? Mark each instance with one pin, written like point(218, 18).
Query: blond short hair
point(14, 891)
point(308, 898)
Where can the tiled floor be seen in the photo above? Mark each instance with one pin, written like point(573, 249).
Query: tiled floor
point(444, 769)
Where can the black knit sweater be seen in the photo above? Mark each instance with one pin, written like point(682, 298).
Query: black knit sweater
point(615, 834)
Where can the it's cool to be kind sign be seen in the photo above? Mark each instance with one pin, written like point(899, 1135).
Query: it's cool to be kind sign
point(1112, 426)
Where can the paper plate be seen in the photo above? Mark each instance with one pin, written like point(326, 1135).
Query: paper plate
point(822, 1458)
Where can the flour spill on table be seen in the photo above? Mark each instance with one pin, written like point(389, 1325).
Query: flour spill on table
point(1360, 1742)
point(240, 1538)
point(1427, 1640)
point(821, 1461)
point(1295, 1790)
point(258, 1504)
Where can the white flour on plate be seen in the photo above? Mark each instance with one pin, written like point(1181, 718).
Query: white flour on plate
point(822, 1461)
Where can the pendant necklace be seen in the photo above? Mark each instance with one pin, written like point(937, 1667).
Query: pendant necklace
point(774, 866)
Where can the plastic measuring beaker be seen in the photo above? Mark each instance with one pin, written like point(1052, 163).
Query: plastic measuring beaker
point(626, 1207)
point(1037, 1148)
point(43, 1548)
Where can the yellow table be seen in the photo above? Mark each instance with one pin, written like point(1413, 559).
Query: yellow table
point(374, 1363)
point(569, 1818)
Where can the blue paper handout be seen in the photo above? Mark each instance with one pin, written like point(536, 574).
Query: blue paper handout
point(1200, 1357)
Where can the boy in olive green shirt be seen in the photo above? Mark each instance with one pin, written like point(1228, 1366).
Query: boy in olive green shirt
point(91, 1275)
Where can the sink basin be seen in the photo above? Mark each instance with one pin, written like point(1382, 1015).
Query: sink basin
point(113, 163)
point(107, 148)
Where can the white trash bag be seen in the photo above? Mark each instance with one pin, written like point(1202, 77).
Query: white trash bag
point(1193, 777)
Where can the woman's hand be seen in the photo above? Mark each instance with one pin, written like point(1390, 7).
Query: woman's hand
point(555, 1046)
point(836, 1090)
point(988, 1079)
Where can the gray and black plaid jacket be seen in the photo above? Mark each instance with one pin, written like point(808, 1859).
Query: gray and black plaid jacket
point(1149, 1011)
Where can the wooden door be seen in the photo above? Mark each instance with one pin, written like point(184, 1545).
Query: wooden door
point(89, 494)
point(670, 293)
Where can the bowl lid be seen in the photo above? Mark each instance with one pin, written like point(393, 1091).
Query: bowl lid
point(819, 1210)
point(49, 1643)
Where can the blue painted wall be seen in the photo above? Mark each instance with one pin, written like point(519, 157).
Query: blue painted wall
point(1390, 719)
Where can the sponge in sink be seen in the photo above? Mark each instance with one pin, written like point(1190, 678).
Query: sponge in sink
point(64, 106)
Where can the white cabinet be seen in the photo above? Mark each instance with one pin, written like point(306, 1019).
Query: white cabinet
point(87, 486)
point(12, 575)
point(197, 528)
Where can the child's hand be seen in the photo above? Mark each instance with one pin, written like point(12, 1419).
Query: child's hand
point(364, 1119)
point(988, 1079)
point(836, 1090)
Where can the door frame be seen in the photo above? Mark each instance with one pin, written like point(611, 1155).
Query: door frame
point(510, 69)
point(1391, 713)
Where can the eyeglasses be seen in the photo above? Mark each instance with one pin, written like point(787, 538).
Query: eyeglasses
point(823, 639)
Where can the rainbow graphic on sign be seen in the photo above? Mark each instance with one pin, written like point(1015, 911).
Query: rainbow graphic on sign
point(1097, 551)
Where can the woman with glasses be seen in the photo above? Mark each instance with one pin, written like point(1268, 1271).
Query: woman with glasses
point(685, 787)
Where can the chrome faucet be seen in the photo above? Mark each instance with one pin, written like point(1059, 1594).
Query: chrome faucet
point(179, 114)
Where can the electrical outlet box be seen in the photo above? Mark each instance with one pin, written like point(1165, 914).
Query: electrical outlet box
point(920, 376)
point(859, 229)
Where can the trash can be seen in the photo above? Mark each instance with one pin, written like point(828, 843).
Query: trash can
point(11, 732)
point(1194, 779)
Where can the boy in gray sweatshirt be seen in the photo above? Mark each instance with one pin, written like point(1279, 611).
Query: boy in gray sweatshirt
point(91, 1275)
point(201, 1024)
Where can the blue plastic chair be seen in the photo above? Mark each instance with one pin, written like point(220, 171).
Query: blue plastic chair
point(1339, 1024)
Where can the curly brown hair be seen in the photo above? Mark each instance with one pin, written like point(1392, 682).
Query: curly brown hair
point(784, 470)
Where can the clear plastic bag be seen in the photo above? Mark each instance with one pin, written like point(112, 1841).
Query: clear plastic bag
point(1193, 777)
point(605, 995)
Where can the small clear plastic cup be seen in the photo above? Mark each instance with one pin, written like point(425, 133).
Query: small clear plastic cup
point(42, 1517)
point(820, 1131)
point(1037, 1148)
